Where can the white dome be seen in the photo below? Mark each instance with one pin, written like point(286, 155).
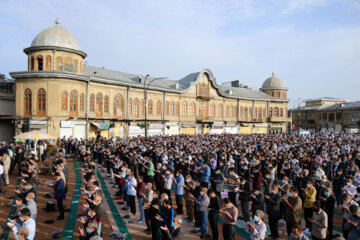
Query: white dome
point(56, 36)
point(273, 83)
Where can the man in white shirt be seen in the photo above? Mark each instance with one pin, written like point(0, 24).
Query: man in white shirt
point(349, 188)
point(258, 228)
point(28, 222)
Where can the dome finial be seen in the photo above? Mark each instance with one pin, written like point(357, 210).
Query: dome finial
point(273, 74)
point(57, 22)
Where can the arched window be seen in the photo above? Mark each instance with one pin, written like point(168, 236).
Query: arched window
point(73, 103)
point(150, 107)
point(250, 113)
point(167, 108)
point(184, 108)
point(227, 110)
point(212, 110)
point(40, 63)
point(64, 100)
point(338, 116)
point(241, 112)
point(58, 64)
point(82, 102)
point(281, 112)
point(234, 111)
point(48, 63)
point(27, 102)
point(270, 112)
point(177, 109)
point(106, 103)
point(92, 102)
point(142, 104)
point(192, 109)
point(136, 107)
point(172, 109)
point(76, 65)
point(118, 106)
point(41, 102)
point(246, 113)
point(230, 111)
point(99, 104)
point(220, 110)
point(67, 66)
point(158, 107)
point(276, 112)
point(278, 94)
point(130, 107)
point(255, 113)
point(331, 117)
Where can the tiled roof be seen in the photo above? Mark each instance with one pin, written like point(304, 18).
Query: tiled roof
point(167, 84)
point(343, 106)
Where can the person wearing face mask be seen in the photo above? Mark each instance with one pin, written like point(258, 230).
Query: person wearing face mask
point(189, 190)
point(30, 204)
point(214, 207)
point(233, 184)
point(244, 197)
point(345, 207)
point(258, 202)
point(59, 194)
point(319, 222)
point(309, 194)
point(176, 233)
point(90, 233)
point(293, 209)
point(349, 188)
point(273, 209)
point(168, 179)
point(179, 191)
point(353, 222)
point(297, 234)
point(28, 222)
point(328, 203)
point(257, 228)
point(29, 188)
point(219, 181)
point(339, 182)
point(202, 203)
point(230, 215)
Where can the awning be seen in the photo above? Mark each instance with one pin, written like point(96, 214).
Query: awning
point(101, 125)
point(245, 124)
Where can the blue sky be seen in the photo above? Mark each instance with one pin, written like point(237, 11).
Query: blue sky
point(312, 45)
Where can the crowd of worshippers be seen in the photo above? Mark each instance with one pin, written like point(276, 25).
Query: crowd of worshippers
point(23, 160)
point(278, 177)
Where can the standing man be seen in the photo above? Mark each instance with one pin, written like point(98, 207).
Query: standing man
point(244, 198)
point(219, 181)
point(131, 192)
point(202, 203)
point(258, 228)
point(214, 207)
point(293, 209)
point(179, 191)
point(6, 163)
point(140, 192)
point(230, 215)
point(329, 204)
point(309, 194)
point(205, 175)
point(59, 194)
point(273, 209)
point(233, 185)
point(319, 222)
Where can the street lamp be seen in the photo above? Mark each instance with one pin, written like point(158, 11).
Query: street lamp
point(146, 87)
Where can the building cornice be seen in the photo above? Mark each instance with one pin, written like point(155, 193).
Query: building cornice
point(94, 78)
point(63, 49)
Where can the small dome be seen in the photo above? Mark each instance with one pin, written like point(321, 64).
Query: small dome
point(273, 83)
point(56, 36)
